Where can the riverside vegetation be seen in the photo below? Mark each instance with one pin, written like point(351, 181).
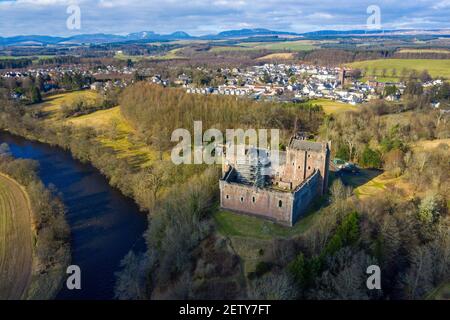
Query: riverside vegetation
point(49, 232)
point(403, 227)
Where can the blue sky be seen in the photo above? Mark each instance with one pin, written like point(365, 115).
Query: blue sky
point(198, 17)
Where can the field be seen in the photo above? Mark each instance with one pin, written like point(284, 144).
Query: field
point(232, 224)
point(170, 55)
point(300, 45)
point(424, 51)
point(16, 240)
point(218, 49)
point(278, 56)
point(34, 58)
point(334, 107)
point(427, 145)
point(117, 134)
point(52, 105)
point(394, 67)
point(367, 183)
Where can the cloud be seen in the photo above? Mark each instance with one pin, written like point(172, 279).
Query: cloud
point(210, 16)
point(442, 4)
point(320, 15)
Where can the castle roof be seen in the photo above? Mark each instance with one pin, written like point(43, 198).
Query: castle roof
point(300, 144)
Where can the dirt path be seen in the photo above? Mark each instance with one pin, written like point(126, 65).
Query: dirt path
point(16, 248)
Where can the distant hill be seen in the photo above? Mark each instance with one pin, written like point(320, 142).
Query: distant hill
point(181, 35)
point(252, 32)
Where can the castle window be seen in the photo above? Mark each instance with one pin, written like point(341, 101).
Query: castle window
point(280, 204)
point(253, 199)
point(242, 199)
point(227, 196)
point(309, 168)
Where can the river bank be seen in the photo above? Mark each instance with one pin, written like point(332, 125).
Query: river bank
point(105, 224)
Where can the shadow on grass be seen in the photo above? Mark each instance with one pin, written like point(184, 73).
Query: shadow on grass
point(360, 178)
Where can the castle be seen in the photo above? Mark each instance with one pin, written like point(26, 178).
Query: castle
point(279, 191)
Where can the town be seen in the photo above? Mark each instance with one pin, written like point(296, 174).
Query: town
point(268, 82)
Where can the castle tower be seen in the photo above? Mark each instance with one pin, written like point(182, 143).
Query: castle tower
point(303, 158)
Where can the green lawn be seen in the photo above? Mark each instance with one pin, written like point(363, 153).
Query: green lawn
point(394, 67)
point(334, 107)
point(240, 225)
point(252, 237)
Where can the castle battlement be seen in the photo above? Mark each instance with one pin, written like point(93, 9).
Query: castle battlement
point(283, 191)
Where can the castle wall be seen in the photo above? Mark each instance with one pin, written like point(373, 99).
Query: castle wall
point(259, 202)
point(300, 164)
point(304, 195)
point(302, 174)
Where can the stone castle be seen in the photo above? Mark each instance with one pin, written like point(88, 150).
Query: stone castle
point(280, 192)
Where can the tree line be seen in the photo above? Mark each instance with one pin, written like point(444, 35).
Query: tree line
point(156, 112)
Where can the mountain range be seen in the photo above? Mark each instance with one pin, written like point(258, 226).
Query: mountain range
point(148, 36)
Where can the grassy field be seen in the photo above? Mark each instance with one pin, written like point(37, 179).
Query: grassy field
point(117, 134)
point(334, 107)
point(232, 224)
point(170, 55)
point(428, 145)
point(16, 240)
point(300, 45)
point(52, 105)
point(35, 58)
point(278, 56)
point(394, 67)
point(251, 236)
point(219, 49)
point(410, 50)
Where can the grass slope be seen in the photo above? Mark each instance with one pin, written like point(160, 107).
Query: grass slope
point(251, 236)
point(52, 105)
point(16, 247)
point(436, 67)
point(334, 107)
point(114, 131)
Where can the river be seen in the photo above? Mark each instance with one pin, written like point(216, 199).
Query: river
point(104, 224)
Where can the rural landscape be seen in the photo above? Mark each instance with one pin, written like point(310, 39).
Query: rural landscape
point(355, 175)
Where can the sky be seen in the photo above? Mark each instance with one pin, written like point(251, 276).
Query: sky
point(200, 17)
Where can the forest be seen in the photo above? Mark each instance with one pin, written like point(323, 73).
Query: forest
point(156, 112)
